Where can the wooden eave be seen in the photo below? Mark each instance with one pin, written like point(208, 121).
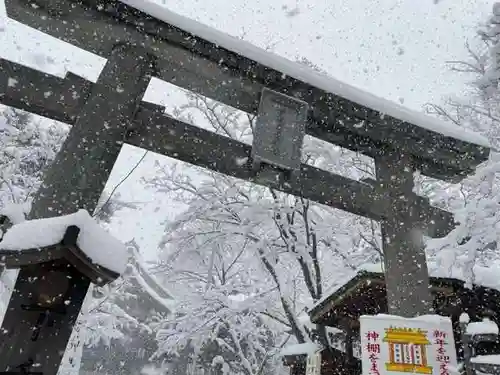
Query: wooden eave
point(365, 294)
point(66, 249)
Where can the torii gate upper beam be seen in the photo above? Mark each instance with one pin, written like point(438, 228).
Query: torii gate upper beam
point(188, 60)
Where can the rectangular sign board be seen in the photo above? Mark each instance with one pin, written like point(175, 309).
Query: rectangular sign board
point(313, 364)
point(279, 130)
point(392, 345)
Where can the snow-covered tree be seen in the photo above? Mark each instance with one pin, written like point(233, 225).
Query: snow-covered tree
point(250, 256)
point(472, 248)
point(27, 146)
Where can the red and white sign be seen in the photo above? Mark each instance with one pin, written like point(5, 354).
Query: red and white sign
point(392, 345)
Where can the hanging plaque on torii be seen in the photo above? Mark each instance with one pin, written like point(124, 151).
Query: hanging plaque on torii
point(289, 101)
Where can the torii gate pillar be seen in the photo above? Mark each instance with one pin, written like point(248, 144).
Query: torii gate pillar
point(88, 154)
point(406, 272)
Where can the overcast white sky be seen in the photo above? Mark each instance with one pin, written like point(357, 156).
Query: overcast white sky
point(396, 49)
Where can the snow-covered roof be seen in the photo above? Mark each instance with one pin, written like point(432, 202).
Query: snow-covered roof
point(493, 359)
point(484, 276)
point(97, 244)
point(301, 349)
point(303, 73)
point(149, 284)
point(481, 328)
point(375, 268)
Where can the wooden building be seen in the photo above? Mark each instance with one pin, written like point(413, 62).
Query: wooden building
point(331, 361)
point(365, 294)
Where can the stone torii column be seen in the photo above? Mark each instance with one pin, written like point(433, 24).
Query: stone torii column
point(406, 271)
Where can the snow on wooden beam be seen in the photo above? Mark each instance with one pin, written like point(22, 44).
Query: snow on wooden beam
point(206, 41)
point(307, 348)
point(42, 94)
point(234, 72)
point(487, 326)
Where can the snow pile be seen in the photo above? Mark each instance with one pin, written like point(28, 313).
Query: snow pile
point(102, 248)
point(430, 318)
point(16, 213)
point(482, 328)
point(464, 318)
point(492, 359)
point(306, 74)
point(301, 349)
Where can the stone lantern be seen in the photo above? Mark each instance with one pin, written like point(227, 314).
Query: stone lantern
point(73, 251)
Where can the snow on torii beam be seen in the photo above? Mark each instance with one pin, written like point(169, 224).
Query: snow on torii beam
point(339, 114)
point(62, 98)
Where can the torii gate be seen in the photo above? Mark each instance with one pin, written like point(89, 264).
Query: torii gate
point(141, 40)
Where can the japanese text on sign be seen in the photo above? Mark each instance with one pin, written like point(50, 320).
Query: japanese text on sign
point(392, 345)
point(441, 354)
point(373, 349)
